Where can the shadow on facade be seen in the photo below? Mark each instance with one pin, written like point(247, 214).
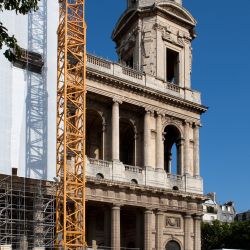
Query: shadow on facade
point(37, 97)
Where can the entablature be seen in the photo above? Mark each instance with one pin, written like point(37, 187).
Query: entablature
point(142, 84)
point(143, 196)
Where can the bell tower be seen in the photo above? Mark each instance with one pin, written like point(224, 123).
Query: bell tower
point(155, 36)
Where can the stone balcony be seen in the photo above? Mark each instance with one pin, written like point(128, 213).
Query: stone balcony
point(117, 171)
point(140, 78)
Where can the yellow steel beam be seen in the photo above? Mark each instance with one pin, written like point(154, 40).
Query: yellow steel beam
point(71, 128)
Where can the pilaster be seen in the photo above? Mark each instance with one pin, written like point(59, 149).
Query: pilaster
point(159, 143)
point(159, 230)
point(197, 232)
point(196, 151)
point(147, 138)
point(187, 231)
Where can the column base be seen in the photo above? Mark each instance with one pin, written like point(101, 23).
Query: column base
point(160, 170)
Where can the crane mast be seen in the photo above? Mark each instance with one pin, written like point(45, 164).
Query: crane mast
point(71, 128)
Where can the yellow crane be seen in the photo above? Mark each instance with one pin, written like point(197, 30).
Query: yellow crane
point(71, 128)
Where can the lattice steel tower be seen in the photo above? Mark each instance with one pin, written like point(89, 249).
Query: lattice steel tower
point(71, 106)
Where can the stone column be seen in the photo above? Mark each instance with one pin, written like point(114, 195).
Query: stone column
point(186, 149)
point(159, 143)
point(115, 228)
point(103, 140)
point(187, 232)
point(115, 131)
point(180, 160)
point(159, 230)
point(135, 149)
point(147, 230)
point(147, 138)
point(197, 232)
point(196, 151)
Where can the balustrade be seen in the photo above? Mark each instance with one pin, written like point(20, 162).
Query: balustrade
point(173, 87)
point(100, 163)
point(132, 73)
point(134, 169)
point(98, 61)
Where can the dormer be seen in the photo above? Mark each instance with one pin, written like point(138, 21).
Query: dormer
point(155, 36)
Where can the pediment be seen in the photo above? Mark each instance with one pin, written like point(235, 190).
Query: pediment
point(177, 11)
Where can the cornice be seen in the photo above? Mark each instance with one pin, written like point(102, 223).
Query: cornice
point(145, 91)
point(146, 189)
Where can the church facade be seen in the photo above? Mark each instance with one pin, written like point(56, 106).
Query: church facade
point(144, 187)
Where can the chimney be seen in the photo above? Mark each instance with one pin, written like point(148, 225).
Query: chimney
point(212, 196)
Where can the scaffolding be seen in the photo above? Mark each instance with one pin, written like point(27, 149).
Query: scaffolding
point(27, 214)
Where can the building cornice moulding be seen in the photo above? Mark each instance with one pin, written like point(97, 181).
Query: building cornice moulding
point(148, 92)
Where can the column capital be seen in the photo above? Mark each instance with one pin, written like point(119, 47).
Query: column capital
point(116, 206)
point(160, 114)
point(196, 124)
point(159, 212)
point(117, 100)
point(187, 123)
point(198, 216)
point(148, 210)
point(104, 126)
point(149, 111)
point(187, 215)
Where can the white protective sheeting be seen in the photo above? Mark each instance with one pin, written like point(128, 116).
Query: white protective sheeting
point(28, 99)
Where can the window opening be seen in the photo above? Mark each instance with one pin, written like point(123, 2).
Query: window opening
point(130, 62)
point(173, 245)
point(172, 150)
point(172, 66)
point(127, 141)
point(94, 135)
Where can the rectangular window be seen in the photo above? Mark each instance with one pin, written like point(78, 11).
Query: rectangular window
point(172, 70)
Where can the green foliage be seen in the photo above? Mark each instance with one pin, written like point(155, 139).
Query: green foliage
point(20, 7)
point(220, 235)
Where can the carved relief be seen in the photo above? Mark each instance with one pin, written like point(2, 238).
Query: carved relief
point(173, 222)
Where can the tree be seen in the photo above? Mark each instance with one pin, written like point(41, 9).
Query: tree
point(23, 7)
point(221, 235)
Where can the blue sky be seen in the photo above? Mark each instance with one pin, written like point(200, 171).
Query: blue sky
point(221, 71)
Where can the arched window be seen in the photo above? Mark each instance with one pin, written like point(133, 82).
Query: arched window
point(173, 245)
point(99, 176)
point(127, 142)
point(134, 181)
point(172, 150)
point(94, 135)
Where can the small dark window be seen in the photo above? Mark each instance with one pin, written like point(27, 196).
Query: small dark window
point(14, 171)
point(100, 176)
point(130, 62)
point(134, 181)
point(175, 188)
point(172, 66)
point(210, 209)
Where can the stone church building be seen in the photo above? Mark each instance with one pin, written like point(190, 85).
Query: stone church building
point(144, 189)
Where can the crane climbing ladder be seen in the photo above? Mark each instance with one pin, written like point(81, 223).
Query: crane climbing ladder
point(71, 116)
